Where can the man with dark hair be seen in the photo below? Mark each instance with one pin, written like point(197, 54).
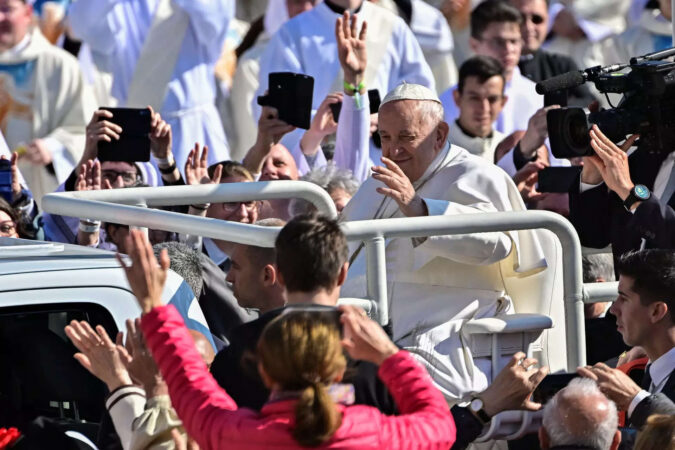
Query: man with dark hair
point(311, 264)
point(480, 98)
point(495, 32)
point(537, 64)
point(645, 312)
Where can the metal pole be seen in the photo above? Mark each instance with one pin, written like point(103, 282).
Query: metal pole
point(601, 292)
point(376, 276)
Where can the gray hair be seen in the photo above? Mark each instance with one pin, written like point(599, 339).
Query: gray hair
point(330, 177)
point(186, 262)
point(431, 112)
point(567, 406)
point(598, 266)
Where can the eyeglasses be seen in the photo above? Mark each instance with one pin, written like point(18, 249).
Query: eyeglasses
point(231, 207)
point(536, 19)
point(7, 227)
point(111, 175)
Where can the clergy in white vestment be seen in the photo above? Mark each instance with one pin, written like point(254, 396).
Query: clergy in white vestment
point(436, 284)
point(306, 44)
point(162, 53)
point(480, 98)
point(245, 82)
point(44, 105)
point(495, 32)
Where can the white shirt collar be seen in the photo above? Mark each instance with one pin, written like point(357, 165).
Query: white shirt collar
point(215, 253)
point(661, 368)
point(20, 47)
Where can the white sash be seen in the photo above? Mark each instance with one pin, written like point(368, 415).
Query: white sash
point(158, 57)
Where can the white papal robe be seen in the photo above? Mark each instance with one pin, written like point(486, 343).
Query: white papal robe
point(306, 44)
point(43, 96)
point(436, 286)
point(116, 31)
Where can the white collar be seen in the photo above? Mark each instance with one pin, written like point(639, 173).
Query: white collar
point(662, 367)
point(20, 47)
point(215, 253)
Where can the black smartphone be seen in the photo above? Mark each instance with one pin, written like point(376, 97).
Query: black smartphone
point(134, 142)
point(558, 179)
point(291, 94)
point(6, 180)
point(550, 386)
point(331, 313)
point(373, 100)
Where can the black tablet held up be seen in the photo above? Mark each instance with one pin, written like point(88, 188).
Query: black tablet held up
point(291, 94)
point(558, 179)
point(134, 142)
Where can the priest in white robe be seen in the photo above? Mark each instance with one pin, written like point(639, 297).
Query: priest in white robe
point(306, 44)
point(44, 105)
point(436, 284)
point(162, 53)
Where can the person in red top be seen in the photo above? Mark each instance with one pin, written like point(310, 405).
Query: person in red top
point(300, 367)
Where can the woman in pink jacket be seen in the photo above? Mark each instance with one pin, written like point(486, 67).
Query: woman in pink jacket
point(301, 360)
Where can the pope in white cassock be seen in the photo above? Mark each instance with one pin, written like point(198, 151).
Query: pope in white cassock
point(44, 105)
point(162, 53)
point(436, 284)
point(306, 44)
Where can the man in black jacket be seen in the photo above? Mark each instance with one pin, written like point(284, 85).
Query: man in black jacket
point(537, 64)
point(645, 317)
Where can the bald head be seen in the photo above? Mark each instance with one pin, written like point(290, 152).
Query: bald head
point(203, 347)
point(580, 415)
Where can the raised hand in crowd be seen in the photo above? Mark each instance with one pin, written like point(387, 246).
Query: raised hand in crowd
point(99, 129)
point(352, 51)
point(616, 385)
point(364, 339)
point(513, 386)
point(526, 181)
point(14, 172)
point(105, 359)
point(89, 179)
point(161, 139)
point(537, 132)
point(400, 188)
point(323, 124)
point(609, 164)
point(38, 153)
point(146, 277)
point(270, 131)
point(197, 167)
point(140, 365)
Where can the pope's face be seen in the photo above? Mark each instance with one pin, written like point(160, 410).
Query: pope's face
point(479, 104)
point(535, 23)
point(15, 18)
point(502, 41)
point(409, 138)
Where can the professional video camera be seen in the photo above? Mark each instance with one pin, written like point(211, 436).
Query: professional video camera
point(647, 106)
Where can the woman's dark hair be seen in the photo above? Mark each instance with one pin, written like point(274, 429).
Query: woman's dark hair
point(22, 228)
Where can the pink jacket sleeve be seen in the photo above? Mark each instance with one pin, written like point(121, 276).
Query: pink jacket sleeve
point(207, 412)
point(424, 415)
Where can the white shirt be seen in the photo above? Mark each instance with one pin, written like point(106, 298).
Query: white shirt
point(659, 370)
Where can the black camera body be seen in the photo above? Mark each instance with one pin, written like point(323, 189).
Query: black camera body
point(647, 108)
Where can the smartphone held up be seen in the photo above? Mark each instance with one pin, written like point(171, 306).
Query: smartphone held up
point(134, 142)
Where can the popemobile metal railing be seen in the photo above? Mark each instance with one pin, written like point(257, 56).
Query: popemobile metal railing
point(132, 207)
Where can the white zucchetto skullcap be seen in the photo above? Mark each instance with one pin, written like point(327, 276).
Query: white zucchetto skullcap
point(409, 91)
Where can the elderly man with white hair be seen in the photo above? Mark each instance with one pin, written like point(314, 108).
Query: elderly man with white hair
point(580, 417)
point(438, 283)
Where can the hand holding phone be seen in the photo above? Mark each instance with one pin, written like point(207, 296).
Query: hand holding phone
point(291, 95)
point(132, 129)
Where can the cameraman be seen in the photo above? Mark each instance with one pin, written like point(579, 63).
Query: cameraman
point(626, 201)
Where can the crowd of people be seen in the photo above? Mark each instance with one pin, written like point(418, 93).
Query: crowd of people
point(456, 128)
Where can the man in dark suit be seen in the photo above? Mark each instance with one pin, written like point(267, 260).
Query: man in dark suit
point(645, 312)
point(626, 201)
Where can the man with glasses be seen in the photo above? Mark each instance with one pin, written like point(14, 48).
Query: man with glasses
point(495, 32)
point(537, 64)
